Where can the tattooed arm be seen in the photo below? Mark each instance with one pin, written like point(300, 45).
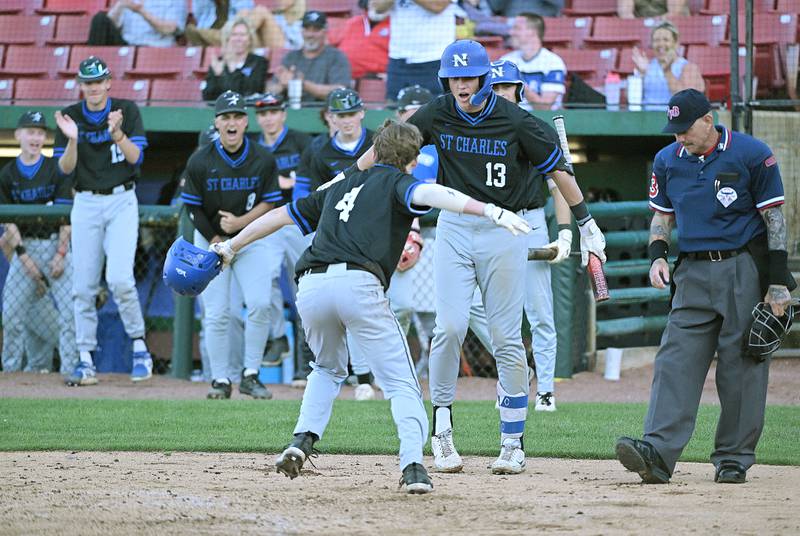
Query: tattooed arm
point(777, 295)
point(660, 229)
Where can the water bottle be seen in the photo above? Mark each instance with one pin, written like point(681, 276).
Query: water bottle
point(635, 92)
point(611, 89)
point(295, 93)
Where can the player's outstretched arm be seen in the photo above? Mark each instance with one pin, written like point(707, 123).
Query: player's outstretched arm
point(438, 196)
point(367, 160)
point(263, 226)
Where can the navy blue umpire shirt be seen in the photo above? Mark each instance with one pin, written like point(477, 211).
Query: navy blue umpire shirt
point(716, 197)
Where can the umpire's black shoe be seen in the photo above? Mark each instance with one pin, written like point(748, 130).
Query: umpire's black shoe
point(641, 457)
point(730, 472)
point(299, 450)
point(251, 385)
point(416, 479)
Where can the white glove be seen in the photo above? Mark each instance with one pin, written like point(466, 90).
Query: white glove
point(592, 241)
point(504, 218)
point(562, 245)
point(225, 252)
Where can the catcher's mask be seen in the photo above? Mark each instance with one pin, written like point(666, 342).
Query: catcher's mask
point(768, 331)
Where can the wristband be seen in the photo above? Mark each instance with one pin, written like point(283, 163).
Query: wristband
point(658, 249)
point(563, 226)
point(20, 250)
point(778, 266)
point(581, 212)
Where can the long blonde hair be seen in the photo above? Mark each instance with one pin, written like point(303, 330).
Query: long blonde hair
point(227, 30)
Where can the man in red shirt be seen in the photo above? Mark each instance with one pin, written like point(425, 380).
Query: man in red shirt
point(364, 39)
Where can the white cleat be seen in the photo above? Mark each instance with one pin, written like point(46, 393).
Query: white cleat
point(511, 460)
point(545, 401)
point(445, 457)
point(364, 391)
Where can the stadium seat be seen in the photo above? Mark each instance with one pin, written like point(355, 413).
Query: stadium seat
point(276, 57)
point(6, 91)
point(2, 53)
point(341, 8)
point(71, 30)
point(566, 32)
point(625, 63)
point(591, 65)
point(20, 7)
point(72, 7)
point(715, 66)
point(497, 52)
point(723, 7)
point(45, 92)
point(135, 90)
point(26, 29)
point(269, 4)
point(701, 30)
point(788, 6)
point(584, 8)
point(118, 59)
point(610, 32)
point(157, 62)
point(176, 92)
point(335, 29)
point(372, 92)
point(209, 53)
point(771, 28)
point(37, 62)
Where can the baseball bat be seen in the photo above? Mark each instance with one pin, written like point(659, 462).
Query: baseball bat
point(546, 254)
point(595, 267)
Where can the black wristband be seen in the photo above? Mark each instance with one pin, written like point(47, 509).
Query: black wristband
point(581, 212)
point(778, 266)
point(563, 226)
point(20, 250)
point(658, 249)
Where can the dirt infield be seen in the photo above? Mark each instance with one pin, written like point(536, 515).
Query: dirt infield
point(160, 493)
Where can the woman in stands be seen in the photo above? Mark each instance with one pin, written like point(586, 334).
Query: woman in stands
point(668, 72)
point(236, 68)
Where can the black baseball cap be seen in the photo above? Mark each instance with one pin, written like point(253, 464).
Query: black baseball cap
point(266, 101)
point(93, 69)
point(415, 95)
point(684, 108)
point(315, 18)
point(229, 102)
point(32, 119)
point(344, 100)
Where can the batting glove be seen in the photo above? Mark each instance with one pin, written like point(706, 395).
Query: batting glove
point(504, 218)
point(225, 252)
point(592, 241)
point(562, 245)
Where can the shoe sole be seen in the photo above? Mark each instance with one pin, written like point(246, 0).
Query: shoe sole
point(80, 383)
point(549, 410)
point(507, 470)
point(290, 462)
point(731, 480)
point(142, 378)
point(630, 458)
point(418, 488)
point(455, 469)
point(267, 396)
point(217, 396)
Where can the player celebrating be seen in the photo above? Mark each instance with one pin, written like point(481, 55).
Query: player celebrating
point(361, 226)
point(229, 183)
point(102, 140)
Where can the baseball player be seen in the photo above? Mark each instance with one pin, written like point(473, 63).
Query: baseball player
point(361, 223)
point(507, 83)
point(229, 183)
point(723, 193)
point(41, 271)
point(485, 146)
point(101, 139)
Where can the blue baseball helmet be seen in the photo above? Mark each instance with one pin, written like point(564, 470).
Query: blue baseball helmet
point(466, 59)
point(189, 269)
point(507, 72)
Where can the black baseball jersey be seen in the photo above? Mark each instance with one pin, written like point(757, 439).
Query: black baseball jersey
point(363, 219)
point(101, 163)
point(287, 150)
point(39, 184)
point(217, 180)
point(537, 193)
point(330, 160)
point(487, 155)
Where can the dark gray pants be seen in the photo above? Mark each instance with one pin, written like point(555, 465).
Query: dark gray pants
point(710, 313)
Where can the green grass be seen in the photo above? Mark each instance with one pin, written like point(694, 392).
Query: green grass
point(575, 431)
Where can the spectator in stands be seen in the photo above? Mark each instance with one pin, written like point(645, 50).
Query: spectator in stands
point(628, 9)
point(668, 72)
point(236, 68)
point(280, 28)
point(365, 39)
point(152, 23)
point(542, 71)
point(210, 16)
point(515, 8)
point(419, 32)
point(321, 67)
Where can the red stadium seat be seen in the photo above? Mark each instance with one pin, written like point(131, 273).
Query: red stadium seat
point(72, 7)
point(615, 32)
point(372, 92)
point(2, 53)
point(49, 92)
point(26, 29)
point(721, 7)
point(276, 57)
point(625, 63)
point(342, 8)
point(589, 64)
point(135, 90)
point(715, 66)
point(701, 30)
point(180, 92)
point(118, 59)
point(19, 7)
point(27, 61)
point(6, 91)
point(566, 32)
point(591, 8)
point(71, 30)
point(336, 29)
point(177, 62)
point(788, 6)
point(209, 53)
point(771, 28)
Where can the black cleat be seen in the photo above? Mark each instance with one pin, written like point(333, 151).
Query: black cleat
point(251, 385)
point(219, 390)
point(730, 472)
point(641, 457)
point(416, 479)
point(292, 458)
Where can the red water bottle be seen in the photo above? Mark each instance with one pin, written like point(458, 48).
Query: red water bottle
point(597, 278)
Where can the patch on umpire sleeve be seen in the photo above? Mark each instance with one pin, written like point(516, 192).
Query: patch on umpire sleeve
point(653, 186)
point(771, 161)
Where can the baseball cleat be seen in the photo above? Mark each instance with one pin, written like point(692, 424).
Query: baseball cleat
point(277, 350)
point(730, 472)
point(252, 386)
point(545, 401)
point(641, 457)
point(511, 460)
point(219, 390)
point(445, 457)
point(142, 366)
point(291, 460)
point(364, 391)
point(416, 479)
point(84, 374)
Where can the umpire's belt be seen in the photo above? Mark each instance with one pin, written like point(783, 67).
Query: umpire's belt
point(324, 268)
point(714, 255)
point(118, 189)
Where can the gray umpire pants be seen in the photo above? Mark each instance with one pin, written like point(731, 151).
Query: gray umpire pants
point(711, 312)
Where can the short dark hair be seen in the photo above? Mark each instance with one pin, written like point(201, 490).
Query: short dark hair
point(536, 21)
point(397, 144)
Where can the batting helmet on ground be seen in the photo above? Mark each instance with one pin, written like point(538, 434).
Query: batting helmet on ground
point(466, 59)
point(507, 72)
point(768, 331)
point(189, 269)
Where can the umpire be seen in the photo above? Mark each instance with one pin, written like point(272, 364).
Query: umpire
point(724, 193)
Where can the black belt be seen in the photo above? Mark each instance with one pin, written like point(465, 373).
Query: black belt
point(324, 268)
point(714, 255)
point(124, 187)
